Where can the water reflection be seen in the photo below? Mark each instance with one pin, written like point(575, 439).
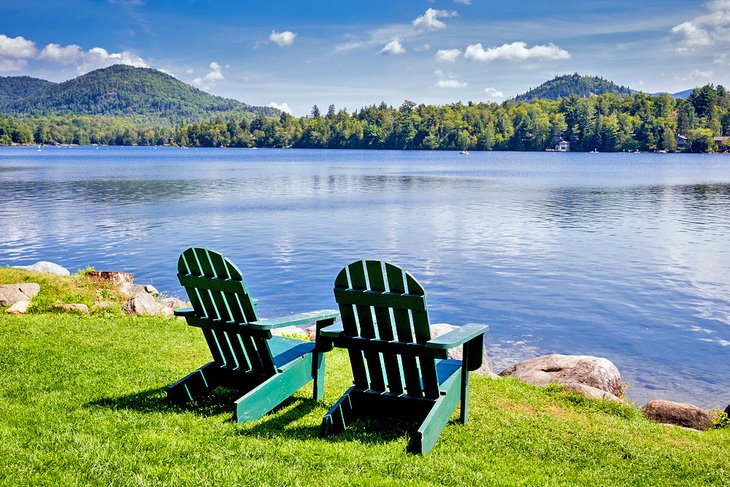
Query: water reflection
point(618, 256)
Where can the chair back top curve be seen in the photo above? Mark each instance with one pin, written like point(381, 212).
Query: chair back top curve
point(386, 326)
point(215, 286)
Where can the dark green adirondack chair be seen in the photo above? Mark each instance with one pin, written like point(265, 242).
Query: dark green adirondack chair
point(266, 369)
point(399, 371)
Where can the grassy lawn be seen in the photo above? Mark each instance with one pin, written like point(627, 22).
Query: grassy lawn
point(82, 402)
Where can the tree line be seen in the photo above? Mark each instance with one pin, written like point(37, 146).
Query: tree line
point(606, 122)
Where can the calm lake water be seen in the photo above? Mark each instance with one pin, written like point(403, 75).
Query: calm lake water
point(625, 256)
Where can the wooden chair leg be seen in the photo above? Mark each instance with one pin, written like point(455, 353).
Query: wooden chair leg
point(318, 375)
point(423, 439)
point(339, 415)
point(274, 390)
point(198, 383)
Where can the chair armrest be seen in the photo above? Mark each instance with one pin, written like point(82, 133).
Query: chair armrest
point(457, 337)
point(332, 331)
point(184, 312)
point(296, 319)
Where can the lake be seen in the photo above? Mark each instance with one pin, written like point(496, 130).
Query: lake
point(623, 256)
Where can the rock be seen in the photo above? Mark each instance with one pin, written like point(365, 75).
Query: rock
point(291, 332)
point(680, 414)
point(142, 304)
point(591, 392)
point(46, 267)
point(130, 290)
point(19, 308)
point(568, 370)
point(174, 303)
point(439, 329)
point(150, 289)
point(74, 308)
point(311, 332)
point(112, 276)
point(102, 305)
point(13, 293)
point(167, 312)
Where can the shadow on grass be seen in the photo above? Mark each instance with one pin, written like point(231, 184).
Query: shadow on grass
point(218, 402)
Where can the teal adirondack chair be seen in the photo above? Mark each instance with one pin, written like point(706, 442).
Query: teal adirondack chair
point(266, 369)
point(399, 370)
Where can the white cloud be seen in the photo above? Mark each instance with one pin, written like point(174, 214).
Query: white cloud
point(59, 54)
point(215, 74)
point(447, 55)
point(12, 64)
point(430, 19)
point(463, 2)
point(450, 83)
point(284, 107)
point(393, 47)
point(98, 57)
point(285, 38)
point(16, 47)
point(493, 93)
point(695, 74)
point(517, 51)
point(709, 29)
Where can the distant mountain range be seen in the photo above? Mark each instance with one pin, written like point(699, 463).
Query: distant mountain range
point(581, 86)
point(141, 94)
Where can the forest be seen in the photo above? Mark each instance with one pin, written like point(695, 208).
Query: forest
point(607, 122)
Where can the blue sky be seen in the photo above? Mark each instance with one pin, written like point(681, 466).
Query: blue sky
point(296, 54)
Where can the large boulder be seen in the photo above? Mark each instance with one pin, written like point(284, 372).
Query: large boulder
point(291, 332)
point(13, 293)
point(680, 414)
point(46, 267)
point(591, 376)
point(143, 304)
point(74, 308)
point(456, 353)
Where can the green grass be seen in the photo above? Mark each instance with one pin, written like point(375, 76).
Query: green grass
point(82, 402)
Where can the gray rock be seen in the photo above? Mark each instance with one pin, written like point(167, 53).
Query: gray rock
point(142, 304)
point(173, 303)
point(680, 414)
point(438, 329)
point(567, 370)
point(130, 290)
point(46, 267)
point(74, 308)
point(19, 308)
point(13, 293)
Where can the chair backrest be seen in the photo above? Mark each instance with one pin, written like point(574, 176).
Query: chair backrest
point(218, 295)
point(385, 322)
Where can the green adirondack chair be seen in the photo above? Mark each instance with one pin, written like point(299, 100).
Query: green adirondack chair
point(266, 369)
point(399, 370)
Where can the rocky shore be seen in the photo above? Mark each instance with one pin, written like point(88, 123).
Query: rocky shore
point(592, 377)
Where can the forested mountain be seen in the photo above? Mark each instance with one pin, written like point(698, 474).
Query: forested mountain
point(573, 84)
point(140, 94)
point(18, 87)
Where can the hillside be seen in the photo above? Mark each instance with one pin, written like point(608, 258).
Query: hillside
point(123, 91)
point(573, 84)
point(18, 87)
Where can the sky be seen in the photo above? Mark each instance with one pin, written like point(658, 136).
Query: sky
point(296, 54)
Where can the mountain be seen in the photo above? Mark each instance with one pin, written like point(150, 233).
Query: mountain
point(17, 87)
point(573, 84)
point(140, 94)
point(683, 94)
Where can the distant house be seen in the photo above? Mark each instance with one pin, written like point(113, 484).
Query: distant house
point(562, 146)
point(681, 141)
